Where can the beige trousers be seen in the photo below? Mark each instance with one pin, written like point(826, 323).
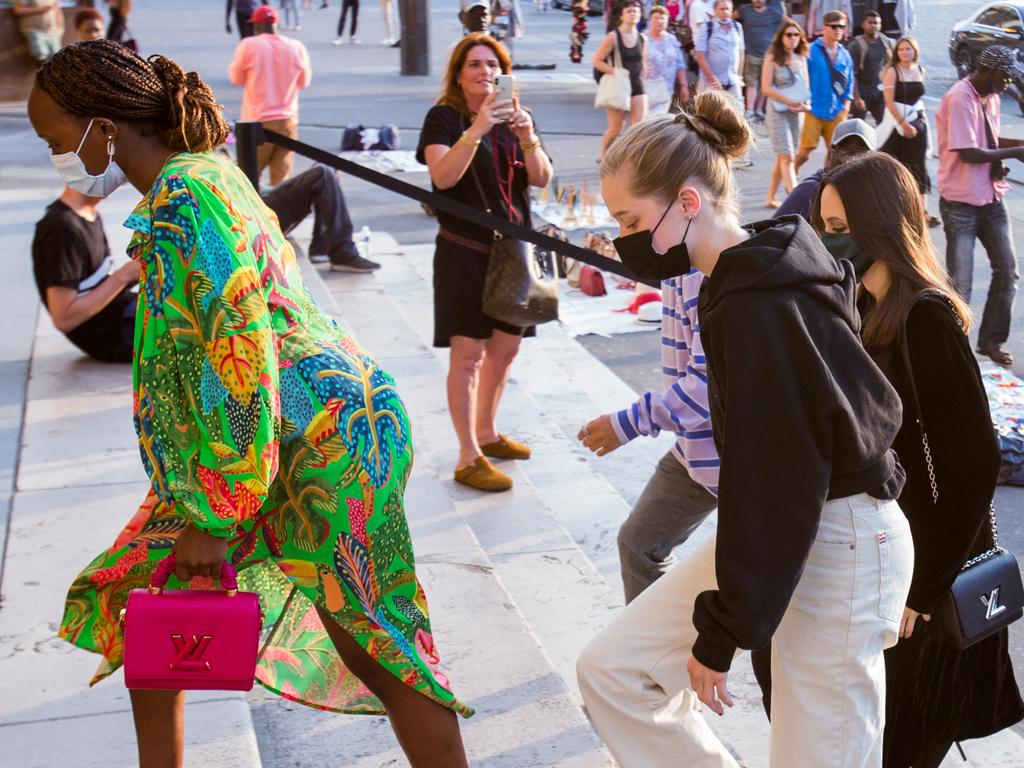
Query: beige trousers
point(828, 670)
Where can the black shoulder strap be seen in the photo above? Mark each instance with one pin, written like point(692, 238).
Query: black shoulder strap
point(905, 350)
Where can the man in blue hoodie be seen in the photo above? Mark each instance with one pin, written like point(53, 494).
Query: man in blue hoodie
point(831, 72)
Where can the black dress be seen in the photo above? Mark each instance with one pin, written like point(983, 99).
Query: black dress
point(934, 693)
point(913, 153)
point(460, 270)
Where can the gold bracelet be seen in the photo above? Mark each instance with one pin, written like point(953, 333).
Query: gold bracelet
point(464, 139)
point(529, 149)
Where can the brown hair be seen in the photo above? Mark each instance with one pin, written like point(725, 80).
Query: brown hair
point(912, 43)
point(777, 46)
point(87, 14)
point(102, 78)
point(662, 153)
point(451, 92)
point(885, 215)
point(659, 9)
point(833, 17)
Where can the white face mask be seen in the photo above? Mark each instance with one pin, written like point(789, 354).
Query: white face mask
point(74, 173)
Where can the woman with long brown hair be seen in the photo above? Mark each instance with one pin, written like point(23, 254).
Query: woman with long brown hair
point(785, 82)
point(485, 153)
point(869, 211)
point(904, 132)
point(240, 384)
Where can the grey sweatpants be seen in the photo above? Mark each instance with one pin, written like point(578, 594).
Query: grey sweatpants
point(670, 508)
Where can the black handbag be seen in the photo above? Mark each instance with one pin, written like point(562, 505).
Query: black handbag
point(987, 595)
point(520, 287)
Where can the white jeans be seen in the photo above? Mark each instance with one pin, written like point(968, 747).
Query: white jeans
point(828, 673)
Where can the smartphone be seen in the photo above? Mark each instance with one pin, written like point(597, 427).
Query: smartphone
point(504, 87)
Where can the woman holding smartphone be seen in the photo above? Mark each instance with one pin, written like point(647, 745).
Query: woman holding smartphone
point(807, 523)
point(483, 152)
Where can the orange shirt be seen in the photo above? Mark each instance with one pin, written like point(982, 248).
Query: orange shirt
point(273, 70)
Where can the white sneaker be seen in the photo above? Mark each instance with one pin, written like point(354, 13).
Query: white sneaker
point(387, 41)
point(339, 41)
point(353, 40)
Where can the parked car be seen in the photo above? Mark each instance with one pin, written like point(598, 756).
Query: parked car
point(594, 8)
point(993, 24)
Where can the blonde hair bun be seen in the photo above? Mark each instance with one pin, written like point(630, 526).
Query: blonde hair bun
point(715, 118)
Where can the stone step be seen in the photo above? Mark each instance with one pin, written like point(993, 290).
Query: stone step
point(555, 387)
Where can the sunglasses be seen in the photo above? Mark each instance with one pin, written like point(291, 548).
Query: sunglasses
point(836, 26)
point(792, 34)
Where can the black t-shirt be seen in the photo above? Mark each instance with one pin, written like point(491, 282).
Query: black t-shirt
point(443, 125)
point(69, 252)
point(874, 56)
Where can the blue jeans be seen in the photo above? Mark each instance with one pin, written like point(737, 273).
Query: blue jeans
point(990, 224)
point(290, 11)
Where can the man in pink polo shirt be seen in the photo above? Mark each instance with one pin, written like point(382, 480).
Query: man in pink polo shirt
point(972, 188)
point(273, 70)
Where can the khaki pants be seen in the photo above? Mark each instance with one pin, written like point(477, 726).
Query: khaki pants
point(828, 670)
point(280, 160)
point(816, 129)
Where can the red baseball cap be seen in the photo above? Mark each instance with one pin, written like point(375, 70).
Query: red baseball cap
point(264, 15)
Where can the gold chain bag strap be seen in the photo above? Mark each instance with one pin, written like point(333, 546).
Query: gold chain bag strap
point(987, 595)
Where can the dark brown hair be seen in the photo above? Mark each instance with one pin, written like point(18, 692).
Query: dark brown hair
point(885, 216)
point(777, 46)
point(451, 92)
point(87, 14)
point(101, 78)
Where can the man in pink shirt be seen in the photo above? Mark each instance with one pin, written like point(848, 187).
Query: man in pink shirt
point(972, 188)
point(273, 69)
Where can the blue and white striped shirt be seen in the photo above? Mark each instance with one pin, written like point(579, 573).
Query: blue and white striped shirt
point(683, 407)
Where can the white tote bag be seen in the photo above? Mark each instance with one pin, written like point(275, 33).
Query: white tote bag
point(614, 90)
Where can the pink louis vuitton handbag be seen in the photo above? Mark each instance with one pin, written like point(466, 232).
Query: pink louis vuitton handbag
point(191, 639)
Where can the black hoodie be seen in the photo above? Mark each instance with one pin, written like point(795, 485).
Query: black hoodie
point(800, 415)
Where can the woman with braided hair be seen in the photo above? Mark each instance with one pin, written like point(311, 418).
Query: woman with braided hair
point(240, 385)
point(812, 553)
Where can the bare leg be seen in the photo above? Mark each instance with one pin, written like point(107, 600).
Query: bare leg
point(751, 97)
point(616, 117)
point(385, 9)
point(464, 366)
point(159, 727)
point(637, 109)
point(773, 181)
point(501, 351)
point(427, 731)
point(801, 158)
point(787, 172)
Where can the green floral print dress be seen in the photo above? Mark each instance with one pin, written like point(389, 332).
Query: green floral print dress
point(261, 421)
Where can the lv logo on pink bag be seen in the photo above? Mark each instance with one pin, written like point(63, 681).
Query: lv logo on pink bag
point(190, 639)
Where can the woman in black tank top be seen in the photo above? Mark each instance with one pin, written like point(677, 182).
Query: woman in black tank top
point(624, 47)
point(903, 84)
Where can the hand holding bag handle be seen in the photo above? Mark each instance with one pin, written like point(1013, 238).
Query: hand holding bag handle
point(166, 567)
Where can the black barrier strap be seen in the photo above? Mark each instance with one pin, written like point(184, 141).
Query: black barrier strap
point(454, 207)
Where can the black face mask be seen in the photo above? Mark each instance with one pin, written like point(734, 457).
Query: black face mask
point(842, 246)
point(638, 254)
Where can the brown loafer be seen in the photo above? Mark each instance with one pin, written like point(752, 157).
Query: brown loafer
point(483, 476)
point(506, 448)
